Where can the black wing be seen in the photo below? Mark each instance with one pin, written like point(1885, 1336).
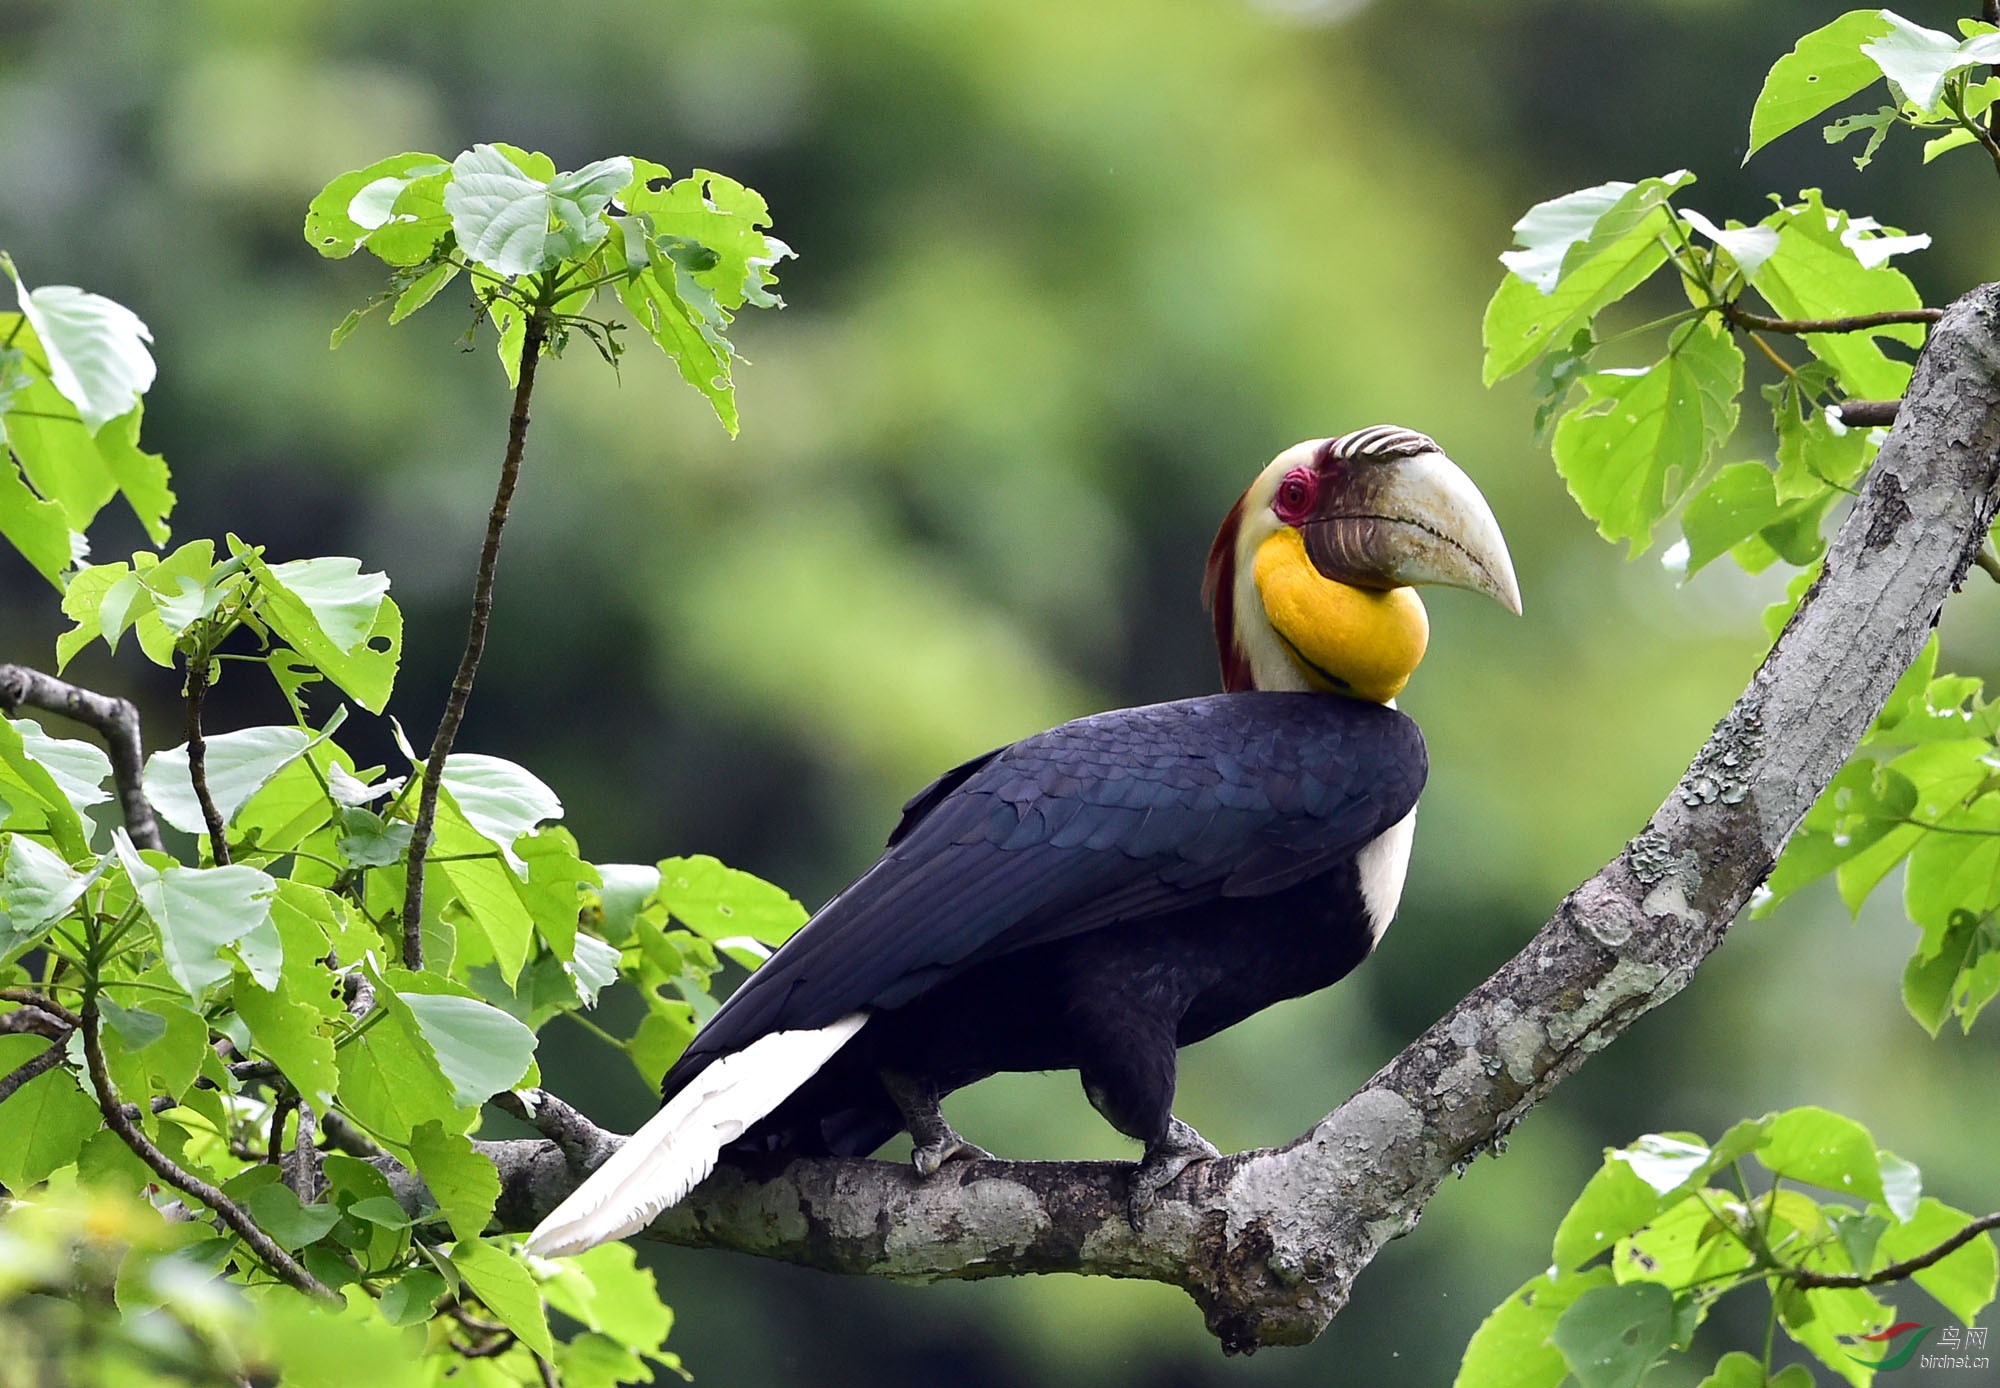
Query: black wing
point(1110, 819)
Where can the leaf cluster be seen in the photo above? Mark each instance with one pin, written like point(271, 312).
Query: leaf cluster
point(243, 991)
point(1672, 1224)
point(682, 255)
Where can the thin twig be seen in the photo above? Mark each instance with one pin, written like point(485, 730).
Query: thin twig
point(336, 1134)
point(274, 1145)
point(475, 645)
point(115, 720)
point(301, 1168)
point(28, 1069)
point(28, 997)
point(197, 689)
point(1868, 414)
point(1988, 561)
point(266, 1248)
point(1896, 1272)
point(1860, 322)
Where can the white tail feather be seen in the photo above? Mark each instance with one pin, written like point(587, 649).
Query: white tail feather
point(678, 1146)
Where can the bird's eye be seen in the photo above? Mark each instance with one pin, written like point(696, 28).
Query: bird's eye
point(1296, 495)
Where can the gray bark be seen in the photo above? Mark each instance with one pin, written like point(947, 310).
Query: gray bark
point(1269, 1242)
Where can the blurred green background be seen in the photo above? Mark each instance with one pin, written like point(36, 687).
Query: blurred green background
point(1069, 274)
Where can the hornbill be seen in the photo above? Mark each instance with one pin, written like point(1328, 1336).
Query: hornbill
point(1096, 896)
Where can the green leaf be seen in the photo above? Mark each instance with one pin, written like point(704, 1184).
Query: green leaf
point(1823, 69)
point(78, 768)
point(626, 887)
point(1877, 124)
point(1664, 1162)
point(316, 1347)
point(423, 289)
point(343, 601)
point(279, 1214)
point(44, 1123)
point(1511, 1348)
point(1737, 1370)
point(390, 1081)
point(34, 798)
point(410, 1299)
point(1619, 249)
point(721, 903)
point(1684, 1243)
point(1825, 1149)
point(330, 228)
point(504, 1285)
point(199, 912)
point(141, 476)
point(487, 892)
point(1817, 273)
point(1954, 872)
point(236, 766)
point(1902, 1185)
point(95, 348)
point(1613, 1203)
point(288, 1030)
point(367, 669)
point(36, 889)
point(465, 1184)
point(1859, 1233)
point(659, 299)
point(501, 801)
point(519, 224)
point(37, 528)
point(1918, 60)
point(1741, 501)
point(1610, 1336)
point(1639, 439)
point(1963, 1282)
point(725, 218)
point(480, 1049)
point(605, 1289)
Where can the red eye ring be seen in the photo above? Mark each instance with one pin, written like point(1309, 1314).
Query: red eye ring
point(1296, 494)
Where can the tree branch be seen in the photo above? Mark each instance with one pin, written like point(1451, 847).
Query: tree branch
point(1270, 1242)
point(115, 720)
point(534, 331)
point(36, 1064)
point(228, 1211)
point(197, 750)
point(1860, 322)
point(1896, 1272)
point(1867, 414)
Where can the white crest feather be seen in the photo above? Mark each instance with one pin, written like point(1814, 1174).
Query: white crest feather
point(668, 1157)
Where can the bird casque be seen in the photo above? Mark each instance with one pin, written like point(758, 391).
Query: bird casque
point(1097, 896)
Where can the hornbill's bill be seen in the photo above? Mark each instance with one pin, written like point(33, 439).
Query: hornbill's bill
point(1099, 895)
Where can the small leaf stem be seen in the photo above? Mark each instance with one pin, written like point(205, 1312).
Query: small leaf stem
point(1860, 322)
point(1896, 1272)
point(115, 720)
point(288, 1269)
point(31, 1067)
point(197, 749)
point(475, 640)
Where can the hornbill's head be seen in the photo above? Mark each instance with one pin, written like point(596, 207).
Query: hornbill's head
point(1309, 578)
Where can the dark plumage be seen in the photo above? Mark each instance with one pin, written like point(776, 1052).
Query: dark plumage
point(1089, 898)
point(1099, 895)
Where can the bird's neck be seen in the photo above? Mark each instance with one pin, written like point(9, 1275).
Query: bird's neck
point(1297, 631)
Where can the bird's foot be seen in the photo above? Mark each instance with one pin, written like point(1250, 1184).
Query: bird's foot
point(1162, 1163)
point(935, 1143)
point(946, 1146)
